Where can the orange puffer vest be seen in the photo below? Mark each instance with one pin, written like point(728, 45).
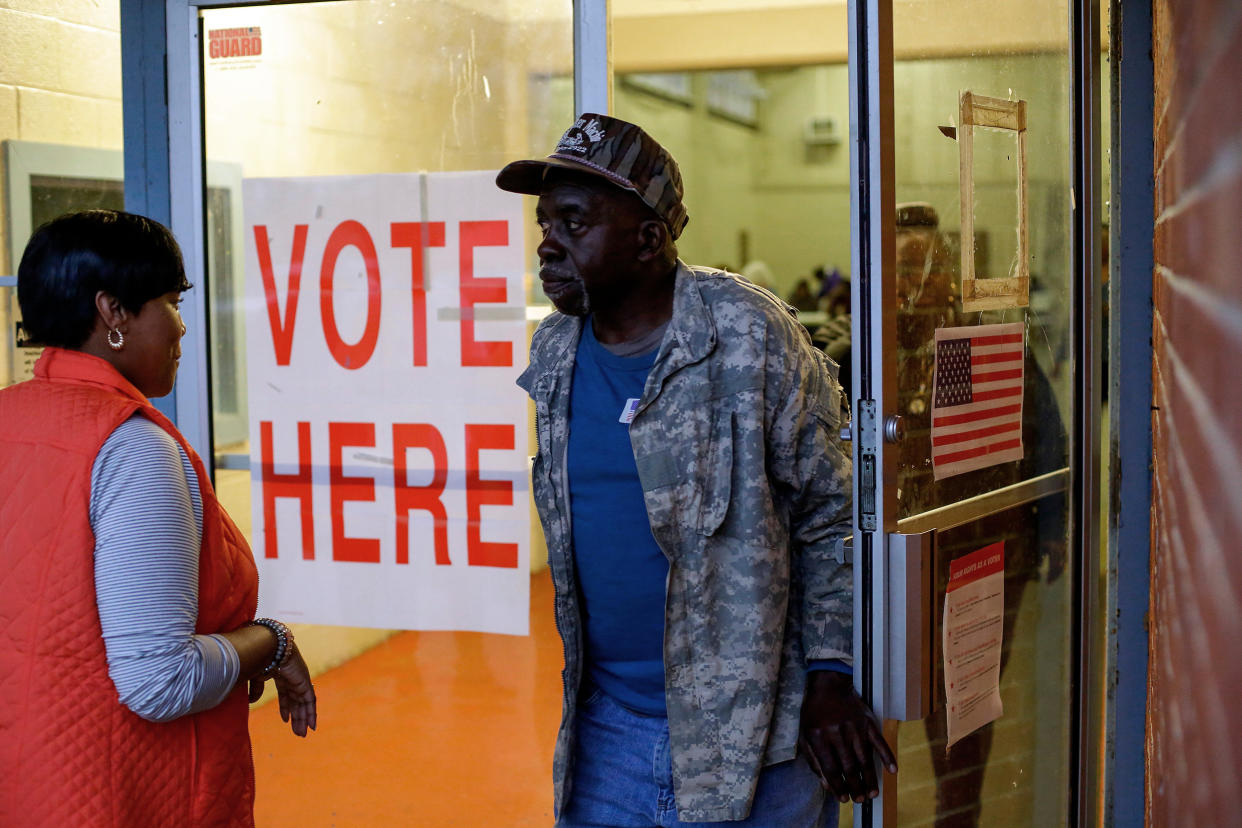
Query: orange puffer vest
point(70, 752)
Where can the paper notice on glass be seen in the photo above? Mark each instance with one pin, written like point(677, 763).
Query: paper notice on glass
point(974, 615)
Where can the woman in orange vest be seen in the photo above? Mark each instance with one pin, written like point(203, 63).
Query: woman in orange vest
point(127, 595)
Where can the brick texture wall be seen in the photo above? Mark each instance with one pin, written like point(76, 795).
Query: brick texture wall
point(1194, 739)
point(60, 83)
point(60, 76)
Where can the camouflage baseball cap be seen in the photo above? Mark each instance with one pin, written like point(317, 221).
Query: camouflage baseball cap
point(617, 151)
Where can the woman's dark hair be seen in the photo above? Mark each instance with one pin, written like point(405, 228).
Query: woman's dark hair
point(71, 258)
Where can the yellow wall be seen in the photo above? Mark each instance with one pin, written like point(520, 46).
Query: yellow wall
point(802, 190)
point(658, 36)
point(715, 159)
point(60, 72)
point(354, 88)
point(60, 82)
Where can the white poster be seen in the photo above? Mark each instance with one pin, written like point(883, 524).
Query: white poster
point(385, 326)
point(974, 617)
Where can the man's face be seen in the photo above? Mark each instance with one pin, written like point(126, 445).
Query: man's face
point(590, 233)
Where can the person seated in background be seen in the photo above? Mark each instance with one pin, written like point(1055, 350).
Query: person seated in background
point(834, 292)
point(129, 595)
point(802, 298)
point(760, 274)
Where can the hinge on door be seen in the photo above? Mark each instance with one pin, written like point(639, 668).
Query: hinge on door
point(866, 464)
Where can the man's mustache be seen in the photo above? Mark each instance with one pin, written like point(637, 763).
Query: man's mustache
point(554, 273)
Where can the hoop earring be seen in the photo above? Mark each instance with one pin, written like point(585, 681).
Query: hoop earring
point(120, 339)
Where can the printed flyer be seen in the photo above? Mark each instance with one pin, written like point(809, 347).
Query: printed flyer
point(974, 616)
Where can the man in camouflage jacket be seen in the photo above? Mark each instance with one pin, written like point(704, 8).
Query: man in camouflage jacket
point(746, 487)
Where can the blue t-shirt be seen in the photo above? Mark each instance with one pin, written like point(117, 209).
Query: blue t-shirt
point(622, 573)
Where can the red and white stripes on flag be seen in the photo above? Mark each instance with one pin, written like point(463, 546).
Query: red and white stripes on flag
point(977, 397)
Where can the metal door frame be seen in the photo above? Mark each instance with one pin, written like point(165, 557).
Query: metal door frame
point(872, 254)
point(1132, 225)
point(878, 616)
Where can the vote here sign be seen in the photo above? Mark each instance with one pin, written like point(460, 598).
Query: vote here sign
point(385, 326)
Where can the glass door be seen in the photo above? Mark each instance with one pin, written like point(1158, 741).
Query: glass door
point(757, 116)
point(966, 405)
point(362, 139)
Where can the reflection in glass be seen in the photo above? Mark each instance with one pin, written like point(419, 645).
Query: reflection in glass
point(1014, 771)
point(52, 196)
point(928, 171)
point(228, 380)
point(996, 203)
point(45, 181)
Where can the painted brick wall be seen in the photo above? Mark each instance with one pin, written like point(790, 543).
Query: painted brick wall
point(1194, 739)
point(60, 76)
point(60, 83)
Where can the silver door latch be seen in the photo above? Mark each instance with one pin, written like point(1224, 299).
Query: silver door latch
point(894, 428)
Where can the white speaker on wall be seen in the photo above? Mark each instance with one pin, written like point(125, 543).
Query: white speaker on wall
point(821, 132)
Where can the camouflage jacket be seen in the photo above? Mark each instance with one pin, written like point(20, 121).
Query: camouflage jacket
point(747, 491)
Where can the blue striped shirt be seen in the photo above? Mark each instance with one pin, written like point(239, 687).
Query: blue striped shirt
point(147, 515)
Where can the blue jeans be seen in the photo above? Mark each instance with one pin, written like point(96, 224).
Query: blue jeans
point(623, 778)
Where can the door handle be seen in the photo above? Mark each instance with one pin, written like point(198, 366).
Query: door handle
point(894, 428)
point(911, 627)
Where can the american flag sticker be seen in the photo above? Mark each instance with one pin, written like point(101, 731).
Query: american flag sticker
point(630, 409)
point(977, 397)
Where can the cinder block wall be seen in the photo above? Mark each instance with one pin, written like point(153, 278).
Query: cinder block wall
point(1194, 738)
point(60, 77)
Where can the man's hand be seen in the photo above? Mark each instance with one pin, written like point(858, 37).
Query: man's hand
point(838, 734)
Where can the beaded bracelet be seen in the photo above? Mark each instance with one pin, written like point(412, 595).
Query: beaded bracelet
point(284, 645)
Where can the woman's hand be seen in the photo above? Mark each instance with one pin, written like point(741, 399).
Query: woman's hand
point(256, 645)
point(295, 693)
point(255, 691)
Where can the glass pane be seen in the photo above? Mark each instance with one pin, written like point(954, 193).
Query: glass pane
point(356, 89)
point(765, 166)
point(60, 135)
point(757, 115)
point(1015, 770)
point(752, 99)
point(929, 189)
point(987, 192)
point(995, 200)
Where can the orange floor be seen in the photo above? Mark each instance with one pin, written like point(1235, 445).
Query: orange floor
point(426, 729)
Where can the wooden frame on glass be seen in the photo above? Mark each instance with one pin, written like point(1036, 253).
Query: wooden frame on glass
point(980, 291)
